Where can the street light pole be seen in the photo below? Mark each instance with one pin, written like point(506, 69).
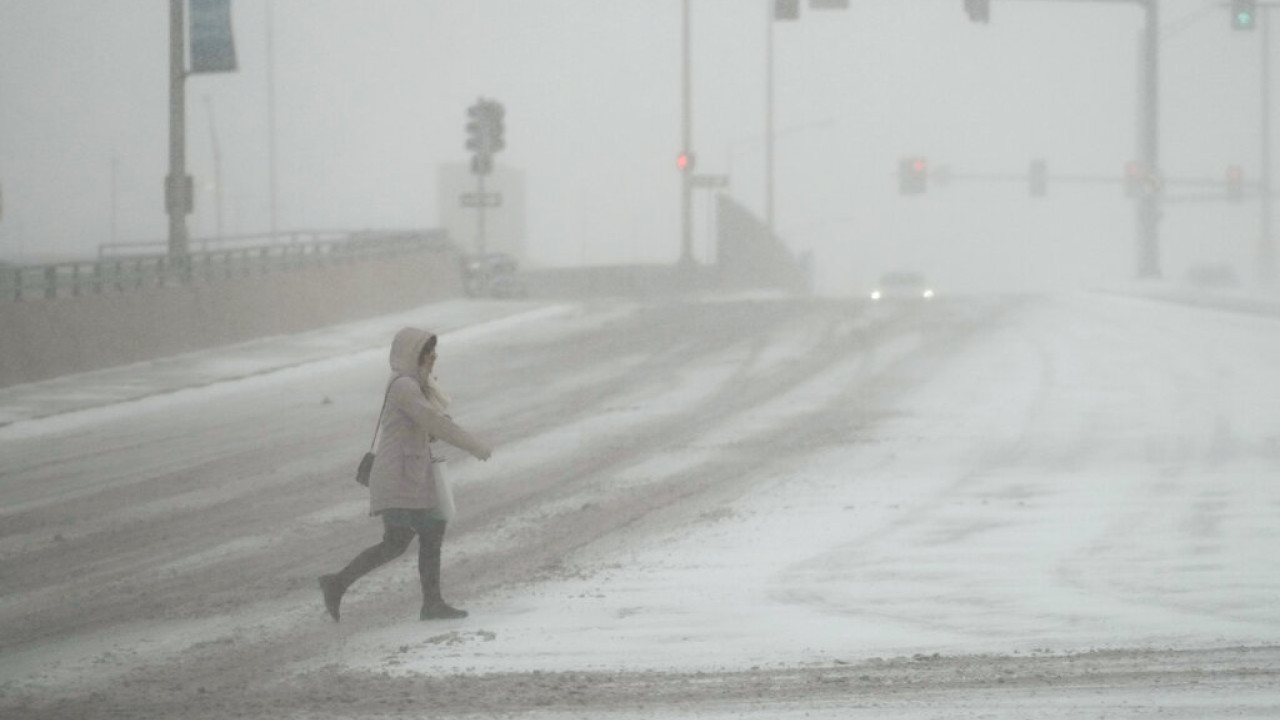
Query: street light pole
point(768, 117)
point(271, 120)
point(115, 173)
point(686, 140)
point(176, 188)
point(1266, 248)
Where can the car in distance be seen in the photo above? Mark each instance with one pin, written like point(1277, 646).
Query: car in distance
point(902, 285)
point(491, 275)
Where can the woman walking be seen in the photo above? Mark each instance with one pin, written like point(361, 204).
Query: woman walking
point(400, 487)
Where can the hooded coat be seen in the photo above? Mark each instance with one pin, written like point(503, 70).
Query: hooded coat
point(414, 414)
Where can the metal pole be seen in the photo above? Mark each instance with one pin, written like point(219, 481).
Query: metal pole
point(1266, 248)
point(176, 185)
point(768, 118)
point(1148, 206)
point(115, 172)
point(271, 119)
point(686, 139)
point(480, 203)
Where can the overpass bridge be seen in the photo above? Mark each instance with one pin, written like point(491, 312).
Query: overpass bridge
point(132, 303)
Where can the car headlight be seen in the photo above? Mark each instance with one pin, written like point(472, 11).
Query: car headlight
point(875, 294)
point(928, 294)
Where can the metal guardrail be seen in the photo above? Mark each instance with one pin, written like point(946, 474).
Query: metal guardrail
point(241, 242)
point(133, 266)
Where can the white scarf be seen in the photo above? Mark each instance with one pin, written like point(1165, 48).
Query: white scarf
point(436, 397)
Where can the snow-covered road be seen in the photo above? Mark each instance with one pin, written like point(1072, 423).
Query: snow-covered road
point(767, 507)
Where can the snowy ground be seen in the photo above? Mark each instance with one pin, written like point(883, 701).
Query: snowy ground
point(1009, 507)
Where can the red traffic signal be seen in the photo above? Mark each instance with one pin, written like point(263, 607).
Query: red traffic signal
point(1134, 174)
point(1235, 182)
point(913, 176)
point(684, 161)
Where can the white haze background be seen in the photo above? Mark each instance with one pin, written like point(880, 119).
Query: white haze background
point(371, 98)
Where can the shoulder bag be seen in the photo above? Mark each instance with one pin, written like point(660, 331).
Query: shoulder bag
point(366, 462)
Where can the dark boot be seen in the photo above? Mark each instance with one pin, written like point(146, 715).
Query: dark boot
point(433, 605)
point(332, 589)
point(441, 610)
point(394, 542)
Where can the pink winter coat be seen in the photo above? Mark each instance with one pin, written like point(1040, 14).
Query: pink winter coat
point(401, 476)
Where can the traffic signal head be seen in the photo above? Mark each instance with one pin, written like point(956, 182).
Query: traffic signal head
point(684, 161)
point(495, 114)
point(913, 176)
point(1244, 14)
point(1039, 178)
point(477, 128)
point(978, 10)
point(485, 127)
point(1235, 182)
point(1133, 177)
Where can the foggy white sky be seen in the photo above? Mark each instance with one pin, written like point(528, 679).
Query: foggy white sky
point(371, 97)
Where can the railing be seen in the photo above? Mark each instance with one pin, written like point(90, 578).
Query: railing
point(133, 266)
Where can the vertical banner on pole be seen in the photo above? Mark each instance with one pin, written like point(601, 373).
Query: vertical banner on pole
point(213, 50)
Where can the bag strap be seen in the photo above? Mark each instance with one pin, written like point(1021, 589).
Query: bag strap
point(383, 411)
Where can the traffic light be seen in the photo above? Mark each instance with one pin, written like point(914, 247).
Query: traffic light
point(476, 128)
point(1235, 183)
point(913, 176)
point(485, 134)
point(684, 161)
point(1039, 178)
point(1133, 177)
point(1244, 14)
point(786, 9)
point(496, 114)
point(979, 10)
point(485, 127)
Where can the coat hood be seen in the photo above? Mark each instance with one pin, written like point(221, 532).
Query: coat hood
point(405, 349)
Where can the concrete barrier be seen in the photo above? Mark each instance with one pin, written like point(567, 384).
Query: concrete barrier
point(635, 281)
point(47, 338)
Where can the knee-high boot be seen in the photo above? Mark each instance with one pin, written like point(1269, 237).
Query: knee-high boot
point(433, 605)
